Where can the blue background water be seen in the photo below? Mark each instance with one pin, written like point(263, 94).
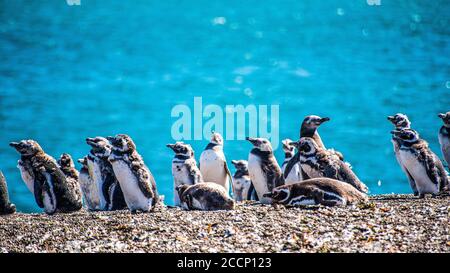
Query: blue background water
point(106, 67)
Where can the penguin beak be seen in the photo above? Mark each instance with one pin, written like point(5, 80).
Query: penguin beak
point(14, 144)
point(90, 140)
point(171, 146)
point(322, 120)
point(442, 116)
point(110, 138)
point(391, 118)
point(254, 141)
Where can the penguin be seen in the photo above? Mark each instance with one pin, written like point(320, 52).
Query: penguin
point(241, 181)
point(317, 162)
point(44, 179)
point(295, 174)
point(136, 180)
point(401, 121)
point(101, 172)
point(213, 164)
point(88, 187)
point(309, 128)
point(444, 137)
point(421, 163)
point(67, 166)
point(6, 207)
point(317, 191)
point(204, 196)
point(184, 168)
point(265, 173)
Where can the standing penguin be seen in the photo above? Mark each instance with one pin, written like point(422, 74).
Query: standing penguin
point(44, 179)
point(184, 168)
point(100, 170)
point(68, 168)
point(309, 128)
point(213, 164)
point(317, 162)
point(444, 137)
point(295, 174)
point(421, 163)
point(136, 180)
point(204, 196)
point(88, 187)
point(265, 173)
point(6, 207)
point(241, 181)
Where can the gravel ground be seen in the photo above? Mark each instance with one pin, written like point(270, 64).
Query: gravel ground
point(388, 223)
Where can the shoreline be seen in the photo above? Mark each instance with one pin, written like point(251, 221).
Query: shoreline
point(387, 223)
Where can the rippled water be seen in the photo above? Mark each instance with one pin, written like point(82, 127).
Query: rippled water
point(68, 72)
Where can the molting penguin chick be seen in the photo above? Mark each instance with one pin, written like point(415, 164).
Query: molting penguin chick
point(241, 181)
point(101, 171)
point(265, 173)
point(6, 207)
point(444, 137)
point(422, 165)
point(184, 168)
point(88, 187)
point(44, 179)
point(324, 191)
point(136, 180)
point(72, 175)
point(317, 162)
point(204, 196)
point(295, 174)
point(400, 121)
point(213, 163)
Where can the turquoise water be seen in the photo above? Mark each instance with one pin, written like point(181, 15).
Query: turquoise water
point(107, 67)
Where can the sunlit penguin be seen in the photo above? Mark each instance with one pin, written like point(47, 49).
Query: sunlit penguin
point(184, 168)
point(88, 187)
point(401, 121)
point(424, 167)
point(213, 163)
point(309, 128)
point(204, 196)
point(101, 171)
point(444, 137)
point(67, 166)
point(295, 174)
point(44, 179)
point(324, 191)
point(136, 180)
point(241, 181)
point(6, 207)
point(265, 173)
point(317, 162)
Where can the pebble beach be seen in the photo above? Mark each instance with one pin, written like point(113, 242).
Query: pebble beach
point(387, 223)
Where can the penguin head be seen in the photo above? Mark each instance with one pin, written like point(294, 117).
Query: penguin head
point(181, 148)
point(240, 164)
point(306, 146)
point(27, 147)
point(262, 144)
point(409, 136)
point(65, 161)
point(445, 118)
point(400, 121)
point(278, 195)
point(313, 121)
point(216, 138)
point(122, 143)
point(100, 146)
point(287, 147)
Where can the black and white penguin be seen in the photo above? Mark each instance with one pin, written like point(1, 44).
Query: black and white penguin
point(241, 181)
point(324, 191)
point(101, 171)
point(88, 187)
point(44, 179)
point(204, 196)
point(401, 121)
point(309, 128)
point(6, 207)
point(67, 166)
point(424, 166)
point(213, 164)
point(136, 180)
point(265, 173)
point(295, 174)
point(317, 162)
point(444, 137)
point(184, 168)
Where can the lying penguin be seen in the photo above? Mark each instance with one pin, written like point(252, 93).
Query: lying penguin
point(44, 179)
point(6, 207)
point(323, 191)
point(295, 174)
point(88, 187)
point(204, 196)
point(444, 137)
point(424, 167)
point(241, 181)
point(136, 180)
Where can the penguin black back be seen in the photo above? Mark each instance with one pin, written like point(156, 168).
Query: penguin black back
point(6, 207)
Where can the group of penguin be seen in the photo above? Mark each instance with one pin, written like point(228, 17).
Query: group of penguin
point(114, 176)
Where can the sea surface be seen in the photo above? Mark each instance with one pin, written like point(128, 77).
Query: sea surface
point(107, 67)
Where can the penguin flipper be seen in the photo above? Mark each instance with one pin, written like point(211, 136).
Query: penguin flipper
point(38, 190)
point(412, 183)
point(227, 170)
point(291, 163)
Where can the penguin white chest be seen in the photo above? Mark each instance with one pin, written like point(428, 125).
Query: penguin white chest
point(97, 186)
point(180, 174)
point(418, 172)
point(212, 167)
point(90, 192)
point(27, 177)
point(295, 175)
point(258, 178)
point(444, 141)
